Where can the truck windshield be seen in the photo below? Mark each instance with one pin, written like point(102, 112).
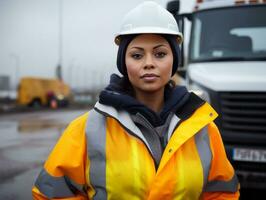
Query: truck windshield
point(229, 34)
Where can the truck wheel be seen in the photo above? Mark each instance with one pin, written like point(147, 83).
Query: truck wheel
point(36, 103)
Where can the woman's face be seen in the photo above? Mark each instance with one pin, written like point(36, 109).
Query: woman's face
point(149, 61)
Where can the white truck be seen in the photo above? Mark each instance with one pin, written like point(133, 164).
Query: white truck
point(226, 64)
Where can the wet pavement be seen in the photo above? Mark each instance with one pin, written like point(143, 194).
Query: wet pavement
point(25, 142)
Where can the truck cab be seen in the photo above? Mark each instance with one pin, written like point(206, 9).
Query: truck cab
point(37, 91)
point(225, 64)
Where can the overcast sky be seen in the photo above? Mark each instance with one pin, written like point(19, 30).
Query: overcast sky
point(29, 38)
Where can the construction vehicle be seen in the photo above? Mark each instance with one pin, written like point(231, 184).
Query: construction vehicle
point(36, 92)
point(224, 61)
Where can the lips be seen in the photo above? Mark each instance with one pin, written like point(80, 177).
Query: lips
point(149, 77)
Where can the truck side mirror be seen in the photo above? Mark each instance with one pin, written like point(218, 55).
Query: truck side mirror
point(180, 18)
point(173, 7)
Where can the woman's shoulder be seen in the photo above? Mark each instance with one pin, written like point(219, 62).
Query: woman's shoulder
point(77, 126)
point(80, 120)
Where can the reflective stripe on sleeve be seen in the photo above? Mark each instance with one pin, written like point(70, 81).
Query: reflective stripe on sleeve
point(223, 186)
point(203, 145)
point(57, 187)
point(96, 141)
point(204, 150)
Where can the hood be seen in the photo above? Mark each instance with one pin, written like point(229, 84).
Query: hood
point(230, 76)
point(113, 95)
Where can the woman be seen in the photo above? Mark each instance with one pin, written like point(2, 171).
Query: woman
point(145, 138)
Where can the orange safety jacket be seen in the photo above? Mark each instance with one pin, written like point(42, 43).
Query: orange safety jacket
point(103, 155)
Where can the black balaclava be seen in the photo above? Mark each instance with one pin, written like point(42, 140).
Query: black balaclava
point(126, 39)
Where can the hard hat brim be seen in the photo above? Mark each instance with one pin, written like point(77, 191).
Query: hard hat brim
point(150, 30)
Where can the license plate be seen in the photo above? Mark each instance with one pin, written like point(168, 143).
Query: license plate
point(252, 155)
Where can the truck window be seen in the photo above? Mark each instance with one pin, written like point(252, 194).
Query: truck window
point(228, 34)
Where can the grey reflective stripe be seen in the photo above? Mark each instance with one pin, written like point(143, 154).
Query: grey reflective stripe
point(96, 142)
point(124, 119)
point(204, 150)
point(203, 145)
point(172, 126)
point(57, 187)
point(223, 186)
point(150, 134)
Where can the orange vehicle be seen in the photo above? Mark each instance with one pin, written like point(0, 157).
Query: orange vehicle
point(34, 91)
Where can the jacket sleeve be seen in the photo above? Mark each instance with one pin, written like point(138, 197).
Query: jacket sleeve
point(64, 173)
point(222, 181)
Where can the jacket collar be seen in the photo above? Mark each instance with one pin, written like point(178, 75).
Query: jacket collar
point(123, 117)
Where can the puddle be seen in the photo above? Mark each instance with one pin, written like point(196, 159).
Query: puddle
point(35, 126)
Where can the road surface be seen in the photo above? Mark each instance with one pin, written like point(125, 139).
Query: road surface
point(25, 142)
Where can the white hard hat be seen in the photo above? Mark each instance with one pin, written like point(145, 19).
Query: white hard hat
point(149, 17)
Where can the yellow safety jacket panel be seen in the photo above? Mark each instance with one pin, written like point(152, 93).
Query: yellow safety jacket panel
point(113, 162)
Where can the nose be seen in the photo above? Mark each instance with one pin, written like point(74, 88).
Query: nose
point(149, 63)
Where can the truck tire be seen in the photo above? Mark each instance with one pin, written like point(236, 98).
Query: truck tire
point(36, 103)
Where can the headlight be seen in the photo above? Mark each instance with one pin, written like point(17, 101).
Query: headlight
point(60, 97)
point(200, 92)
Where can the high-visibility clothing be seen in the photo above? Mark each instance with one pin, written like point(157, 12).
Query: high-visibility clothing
point(103, 155)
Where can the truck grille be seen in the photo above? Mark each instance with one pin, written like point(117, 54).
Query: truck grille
point(243, 112)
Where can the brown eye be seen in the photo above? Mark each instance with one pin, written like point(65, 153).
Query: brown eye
point(160, 54)
point(136, 56)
